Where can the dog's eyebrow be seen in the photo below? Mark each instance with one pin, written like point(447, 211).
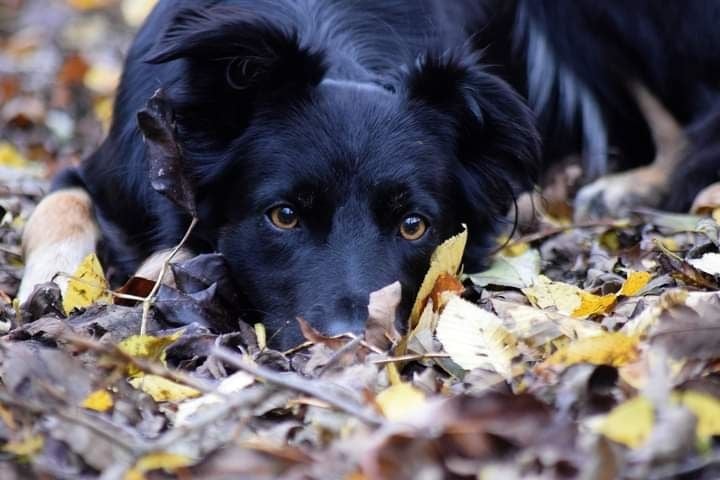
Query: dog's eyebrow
point(391, 195)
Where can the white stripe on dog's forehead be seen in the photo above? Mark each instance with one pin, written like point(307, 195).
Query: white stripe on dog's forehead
point(366, 86)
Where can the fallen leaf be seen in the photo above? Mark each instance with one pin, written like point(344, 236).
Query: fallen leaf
point(399, 401)
point(234, 383)
point(706, 409)
point(591, 304)
point(99, 400)
point(445, 287)
point(135, 11)
point(630, 423)
point(614, 349)
point(167, 170)
point(476, 338)
point(686, 326)
point(147, 347)
point(169, 462)
point(544, 293)
point(163, 390)
point(708, 263)
point(11, 157)
point(27, 447)
point(510, 271)
point(87, 285)
point(102, 78)
point(446, 259)
point(380, 328)
point(89, 4)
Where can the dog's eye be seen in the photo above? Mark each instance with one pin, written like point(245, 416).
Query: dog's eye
point(284, 217)
point(413, 227)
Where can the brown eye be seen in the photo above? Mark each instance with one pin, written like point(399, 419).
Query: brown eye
point(284, 217)
point(413, 227)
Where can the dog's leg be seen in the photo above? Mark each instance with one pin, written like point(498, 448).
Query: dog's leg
point(151, 267)
point(60, 233)
point(617, 194)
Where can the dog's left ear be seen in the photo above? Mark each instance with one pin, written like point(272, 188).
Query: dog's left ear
point(254, 51)
point(230, 59)
point(496, 141)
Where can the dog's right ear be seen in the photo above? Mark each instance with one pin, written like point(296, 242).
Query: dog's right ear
point(252, 50)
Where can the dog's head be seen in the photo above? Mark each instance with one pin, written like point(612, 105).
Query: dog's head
point(322, 190)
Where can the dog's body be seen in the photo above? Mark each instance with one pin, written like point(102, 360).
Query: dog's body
point(588, 69)
point(317, 131)
point(332, 146)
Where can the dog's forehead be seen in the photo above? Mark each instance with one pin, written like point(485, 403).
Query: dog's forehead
point(353, 129)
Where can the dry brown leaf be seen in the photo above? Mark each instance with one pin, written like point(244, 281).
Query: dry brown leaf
point(446, 259)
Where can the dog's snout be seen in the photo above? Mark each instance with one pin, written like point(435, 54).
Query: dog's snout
point(344, 315)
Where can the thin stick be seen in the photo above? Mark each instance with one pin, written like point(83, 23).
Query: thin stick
point(299, 384)
point(143, 365)
point(351, 346)
point(534, 237)
point(410, 358)
point(147, 302)
point(208, 417)
point(98, 425)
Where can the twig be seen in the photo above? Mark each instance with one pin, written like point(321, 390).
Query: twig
point(147, 302)
point(153, 368)
point(299, 384)
point(207, 417)
point(98, 425)
point(534, 237)
point(351, 346)
point(410, 358)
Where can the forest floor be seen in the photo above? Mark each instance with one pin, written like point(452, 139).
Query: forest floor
point(586, 351)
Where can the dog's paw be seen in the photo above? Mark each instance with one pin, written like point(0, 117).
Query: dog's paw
point(616, 195)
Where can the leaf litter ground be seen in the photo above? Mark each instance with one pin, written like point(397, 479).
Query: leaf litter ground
point(584, 351)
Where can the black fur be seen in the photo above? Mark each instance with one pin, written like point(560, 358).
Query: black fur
point(354, 113)
point(671, 48)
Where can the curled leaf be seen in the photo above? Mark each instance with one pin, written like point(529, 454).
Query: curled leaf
point(445, 260)
point(87, 285)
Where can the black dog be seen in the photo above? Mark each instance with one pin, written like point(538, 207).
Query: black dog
point(333, 146)
point(599, 74)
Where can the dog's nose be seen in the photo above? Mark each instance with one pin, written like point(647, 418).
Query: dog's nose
point(347, 315)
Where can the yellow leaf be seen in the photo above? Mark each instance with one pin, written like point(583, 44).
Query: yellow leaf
point(261, 335)
point(89, 4)
point(516, 249)
point(591, 304)
point(147, 347)
point(10, 157)
point(519, 271)
point(28, 446)
point(445, 259)
point(545, 293)
point(706, 409)
point(170, 462)
point(476, 338)
point(163, 390)
point(397, 401)
point(615, 349)
point(102, 78)
point(99, 400)
point(635, 282)
point(135, 11)
point(7, 417)
point(87, 285)
point(630, 423)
